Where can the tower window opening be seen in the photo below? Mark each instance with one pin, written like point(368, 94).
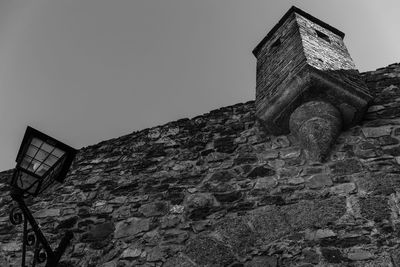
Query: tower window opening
point(323, 36)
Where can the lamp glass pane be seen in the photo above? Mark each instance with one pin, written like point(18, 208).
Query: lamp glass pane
point(32, 150)
point(35, 164)
point(25, 162)
point(58, 153)
point(41, 155)
point(49, 179)
point(36, 142)
point(51, 160)
point(42, 169)
point(28, 163)
point(27, 182)
point(47, 147)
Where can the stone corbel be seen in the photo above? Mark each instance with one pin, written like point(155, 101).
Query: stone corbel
point(316, 125)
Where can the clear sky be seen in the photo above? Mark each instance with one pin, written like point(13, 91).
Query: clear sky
point(85, 71)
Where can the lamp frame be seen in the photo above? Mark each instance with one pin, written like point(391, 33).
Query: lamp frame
point(33, 236)
point(69, 155)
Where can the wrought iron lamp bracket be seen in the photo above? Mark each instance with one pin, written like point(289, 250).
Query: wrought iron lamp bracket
point(33, 236)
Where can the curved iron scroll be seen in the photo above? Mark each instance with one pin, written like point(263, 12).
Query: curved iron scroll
point(16, 216)
point(40, 255)
point(31, 238)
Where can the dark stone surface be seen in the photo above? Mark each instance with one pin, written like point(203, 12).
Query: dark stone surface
point(200, 205)
point(238, 234)
point(124, 189)
point(347, 166)
point(99, 232)
point(245, 158)
point(225, 145)
point(395, 256)
point(200, 213)
point(332, 255)
point(261, 171)
point(375, 208)
point(311, 256)
point(206, 251)
point(319, 181)
point(263, 261)
point(394, 151)
point(200, 200)
point(269, 225)
point(378, 183)
point(131, 227)
point(320, 213)
point(272, 200)
point(175, 196)
point(228, 196)
point(68, 223)
point(154, 209)
point(179, 261)
point(344, 242)
point(222, 177)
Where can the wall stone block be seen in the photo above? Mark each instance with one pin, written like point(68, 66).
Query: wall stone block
point(67, 223)
point(375, 208)
point(269, 224)
point(131, 253)
point(237, 233)
point(305, 214)
point(47, 213)
point(263, 261)
point(179, 261)
point(99, 232)
point(359, 255)
point(261, 171)
point(131, 227)
point(377, 131)
point(206, 251)
point(347, 166)
point(343, 189)
point(155, 254)
point(174, 236)
point(317, 181)
point(333, 255)
point(265, 183)
point(154, 209)
point(379, 183)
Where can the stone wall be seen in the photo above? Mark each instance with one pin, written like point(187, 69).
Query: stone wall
point(320, 53)
point(215, 190)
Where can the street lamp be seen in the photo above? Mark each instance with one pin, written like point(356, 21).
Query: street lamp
point(41, 160)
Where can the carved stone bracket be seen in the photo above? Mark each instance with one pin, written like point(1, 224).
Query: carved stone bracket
point(316, 125)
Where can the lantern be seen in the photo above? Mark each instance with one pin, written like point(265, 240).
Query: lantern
point(41, 160)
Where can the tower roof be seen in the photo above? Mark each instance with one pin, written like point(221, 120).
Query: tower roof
point(297, 10)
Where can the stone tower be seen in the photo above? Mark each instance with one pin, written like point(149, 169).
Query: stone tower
point(307, 82)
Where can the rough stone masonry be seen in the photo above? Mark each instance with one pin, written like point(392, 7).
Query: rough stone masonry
point(218, 190)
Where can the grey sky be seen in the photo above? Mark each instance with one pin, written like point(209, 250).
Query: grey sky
point(85, 71)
